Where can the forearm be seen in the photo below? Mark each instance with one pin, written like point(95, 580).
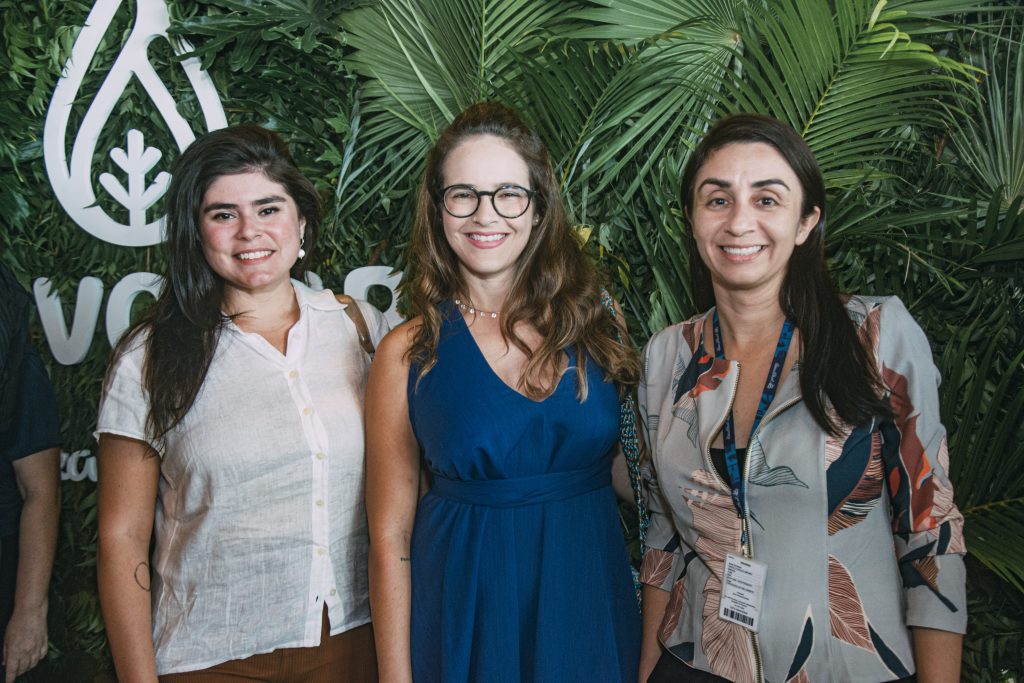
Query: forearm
point(124, 587)
point(391, 606)
point(393, 483)
point(654, 602)
point(37, 546)
point(937, 655)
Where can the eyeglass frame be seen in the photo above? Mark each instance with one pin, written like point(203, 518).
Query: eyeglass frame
point(483, 193)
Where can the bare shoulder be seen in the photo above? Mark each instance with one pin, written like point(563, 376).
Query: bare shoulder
point(395, 345)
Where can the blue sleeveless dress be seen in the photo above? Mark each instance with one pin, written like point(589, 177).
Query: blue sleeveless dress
point(519, 568)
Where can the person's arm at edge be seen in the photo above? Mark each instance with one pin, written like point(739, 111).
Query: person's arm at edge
point(913, 380)
point(937, 655)
point(392, 493)
point(653, 611)
point(38, 479)
point(129, 472)
point(620, 477)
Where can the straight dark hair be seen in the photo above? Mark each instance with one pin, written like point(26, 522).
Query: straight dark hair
point(182, 327)
point(835, 367)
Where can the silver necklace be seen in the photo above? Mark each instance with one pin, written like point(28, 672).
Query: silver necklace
point(472, 310)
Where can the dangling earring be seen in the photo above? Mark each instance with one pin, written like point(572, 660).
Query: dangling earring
point(302, 252)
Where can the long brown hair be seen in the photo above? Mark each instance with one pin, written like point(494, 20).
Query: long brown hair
point(555, 288)
point(182, 327)
point(835, 368)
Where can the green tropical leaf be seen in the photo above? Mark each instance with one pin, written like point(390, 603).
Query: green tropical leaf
point(990, 141)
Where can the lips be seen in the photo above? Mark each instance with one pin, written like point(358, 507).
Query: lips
point(735, 254)
point(486, 240)
point(253, 255)
point(743, 251)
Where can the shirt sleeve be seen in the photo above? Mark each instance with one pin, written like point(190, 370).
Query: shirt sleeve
point(124, 405)
point(36, 424)
point(927, 526)
point(664, 551)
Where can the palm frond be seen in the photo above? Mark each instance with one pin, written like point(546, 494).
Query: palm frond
point(983, 408)
point(852, 83)
point(991, 140)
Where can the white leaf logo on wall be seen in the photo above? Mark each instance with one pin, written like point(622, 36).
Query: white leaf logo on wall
point(139, 184)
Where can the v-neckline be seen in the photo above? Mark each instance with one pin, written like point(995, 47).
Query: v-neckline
point(490, 370)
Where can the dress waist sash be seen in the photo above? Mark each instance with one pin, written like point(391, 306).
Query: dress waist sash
point(519, 491)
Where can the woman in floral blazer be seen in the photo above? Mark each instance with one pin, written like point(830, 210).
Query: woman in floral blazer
point(802, 520)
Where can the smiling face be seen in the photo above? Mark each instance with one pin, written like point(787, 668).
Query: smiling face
point(251, 230)
point(487, 245)
point(746, 216)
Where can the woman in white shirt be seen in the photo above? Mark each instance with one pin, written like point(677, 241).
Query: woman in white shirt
point(231, 437)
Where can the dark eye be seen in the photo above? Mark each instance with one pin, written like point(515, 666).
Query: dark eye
point(717, 201)
point(222, 216)
point(460, 193)
point(269, 210)
point(767, 201)
point(511, 193)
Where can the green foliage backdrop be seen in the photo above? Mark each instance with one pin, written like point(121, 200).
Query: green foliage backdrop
point(915, 109)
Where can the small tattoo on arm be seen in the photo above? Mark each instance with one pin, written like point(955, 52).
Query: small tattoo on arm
point(142, 576)
point(405, 559)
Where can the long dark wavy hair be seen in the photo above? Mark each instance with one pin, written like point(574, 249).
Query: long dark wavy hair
point(835, 367)
point(182, 327)
point(555, 288)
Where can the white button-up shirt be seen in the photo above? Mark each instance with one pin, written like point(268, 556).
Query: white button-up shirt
point(260, 518)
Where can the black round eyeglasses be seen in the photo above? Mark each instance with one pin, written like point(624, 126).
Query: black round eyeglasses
point(509, 201)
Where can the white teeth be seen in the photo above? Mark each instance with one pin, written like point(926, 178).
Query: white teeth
point(485, 238)
point(742, 251)
point(249, 255)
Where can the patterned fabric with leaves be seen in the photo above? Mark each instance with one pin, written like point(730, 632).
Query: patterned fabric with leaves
point(859, 532)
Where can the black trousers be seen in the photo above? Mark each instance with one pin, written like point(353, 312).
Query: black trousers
point(670, 669)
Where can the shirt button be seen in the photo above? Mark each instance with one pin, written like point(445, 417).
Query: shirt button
point(319, 503)
point(293, 374)
point(334, 591)
point(319, 456)
point(307, 411)
point(321, 552)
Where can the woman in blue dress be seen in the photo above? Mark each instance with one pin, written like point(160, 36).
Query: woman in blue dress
point(504, 391)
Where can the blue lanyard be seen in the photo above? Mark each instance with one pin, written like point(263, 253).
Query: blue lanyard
point(771, 384)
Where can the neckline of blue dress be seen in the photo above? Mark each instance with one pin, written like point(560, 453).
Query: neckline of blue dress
point(456, 317)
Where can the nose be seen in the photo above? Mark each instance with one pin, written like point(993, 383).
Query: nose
point(485, 212)
point(248, 227)
point(741, 219)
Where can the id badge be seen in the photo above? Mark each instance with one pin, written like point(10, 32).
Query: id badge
point(742, 591)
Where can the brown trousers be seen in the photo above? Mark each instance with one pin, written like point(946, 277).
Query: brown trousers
point(348, 657)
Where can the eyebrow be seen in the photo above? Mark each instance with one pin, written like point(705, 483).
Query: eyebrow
point(219, 206)
point(725, 184)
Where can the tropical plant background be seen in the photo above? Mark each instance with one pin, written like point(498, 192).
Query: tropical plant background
point(914, 108)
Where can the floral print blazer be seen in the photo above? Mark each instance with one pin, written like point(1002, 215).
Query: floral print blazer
point(859, 533)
